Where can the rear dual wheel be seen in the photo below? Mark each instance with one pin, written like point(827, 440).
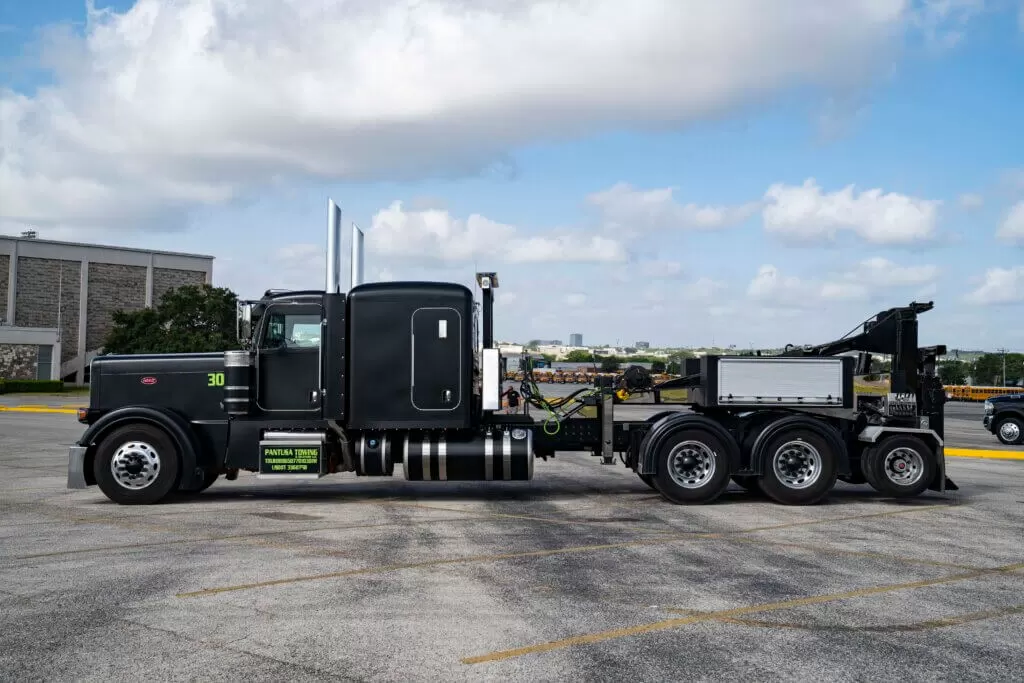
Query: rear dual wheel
point(800, 467)
point(693, 467)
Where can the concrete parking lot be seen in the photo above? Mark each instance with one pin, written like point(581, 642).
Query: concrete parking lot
point(583, 573)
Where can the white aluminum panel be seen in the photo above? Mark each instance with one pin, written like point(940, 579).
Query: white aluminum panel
point(780, 381)
point(491, 381)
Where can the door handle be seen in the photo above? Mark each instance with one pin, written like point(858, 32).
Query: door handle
point(314, 397)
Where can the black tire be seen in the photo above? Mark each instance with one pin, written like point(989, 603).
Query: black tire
point(133, 445)
point(799, 467)
point(209, 477)
point(708, 473)
point(901, 466)
point(1010, 431)
point(649, 480)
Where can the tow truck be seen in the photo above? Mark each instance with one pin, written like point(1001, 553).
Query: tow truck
point(391, 375)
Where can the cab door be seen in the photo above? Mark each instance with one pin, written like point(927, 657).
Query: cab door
point(289, 361)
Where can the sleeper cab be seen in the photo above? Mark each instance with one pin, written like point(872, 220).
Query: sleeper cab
point(410, 356)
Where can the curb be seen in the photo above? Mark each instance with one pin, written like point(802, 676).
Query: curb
point(983, 453)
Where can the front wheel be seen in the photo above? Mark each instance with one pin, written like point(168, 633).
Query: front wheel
point(900, 466)
point(1010, 431)
point(693, 467)
point(800, 467)
point(136, 465)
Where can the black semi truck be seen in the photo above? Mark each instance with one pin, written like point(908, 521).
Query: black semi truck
point(400, 374)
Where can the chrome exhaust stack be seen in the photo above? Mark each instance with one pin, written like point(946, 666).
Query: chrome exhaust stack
point(333, 284)
point(357, 256)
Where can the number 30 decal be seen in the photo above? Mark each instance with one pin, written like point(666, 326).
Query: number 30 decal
point(215, 379)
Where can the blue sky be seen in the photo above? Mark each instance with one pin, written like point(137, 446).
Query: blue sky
point(684, 173)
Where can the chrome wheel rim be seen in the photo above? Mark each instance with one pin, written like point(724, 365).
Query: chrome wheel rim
point(903, 466)
point(135, 465)
point(797, 464)
point(1009, 431)
point(691, 464)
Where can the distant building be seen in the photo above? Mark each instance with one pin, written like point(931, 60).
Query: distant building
point(643, 345)
point(575, 339)
point(57, 299)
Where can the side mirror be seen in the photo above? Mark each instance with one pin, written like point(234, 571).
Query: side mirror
point(243, 316)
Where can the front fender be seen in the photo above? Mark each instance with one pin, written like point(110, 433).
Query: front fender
point(174, 424)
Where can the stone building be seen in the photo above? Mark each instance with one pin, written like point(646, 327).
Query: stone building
point(57, 299)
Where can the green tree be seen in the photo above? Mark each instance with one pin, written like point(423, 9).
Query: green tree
point(952, 372)
point(188, 319)
point(579, 356)
point(658, 367)
point(673, 367)
point(609, 364)
point(988, 368)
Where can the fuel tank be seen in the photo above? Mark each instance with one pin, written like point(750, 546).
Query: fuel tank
point(191, 383)
point(503, 455)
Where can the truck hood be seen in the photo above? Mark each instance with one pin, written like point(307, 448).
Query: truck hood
point(1006, 398)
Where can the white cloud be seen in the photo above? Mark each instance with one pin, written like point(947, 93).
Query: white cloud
point(167, 106)
point(565, 248)
point(436, 235)
point(625, 210)
point(999, 286)
point(772, 287)
point(870, 279)
point(882, 272)
point(804, 213)
point(1012, 227)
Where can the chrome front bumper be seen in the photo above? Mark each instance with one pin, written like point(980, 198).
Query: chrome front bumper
point(76, 467)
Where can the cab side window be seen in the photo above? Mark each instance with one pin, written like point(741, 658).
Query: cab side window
point(292, 331)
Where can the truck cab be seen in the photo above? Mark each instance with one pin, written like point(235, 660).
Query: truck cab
point(1004, 417)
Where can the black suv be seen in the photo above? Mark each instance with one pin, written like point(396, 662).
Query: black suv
point(1004, 417)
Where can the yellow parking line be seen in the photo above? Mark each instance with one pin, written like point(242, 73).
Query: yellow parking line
point(600, 636)
point(37, 409)
point(980, 453)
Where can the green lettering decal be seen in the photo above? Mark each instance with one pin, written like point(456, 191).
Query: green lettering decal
point(215, 379)
point(289, 459)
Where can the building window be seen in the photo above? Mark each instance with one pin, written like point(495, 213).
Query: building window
point(44, 364)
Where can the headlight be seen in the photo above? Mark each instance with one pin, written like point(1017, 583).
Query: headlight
point(989, 407)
